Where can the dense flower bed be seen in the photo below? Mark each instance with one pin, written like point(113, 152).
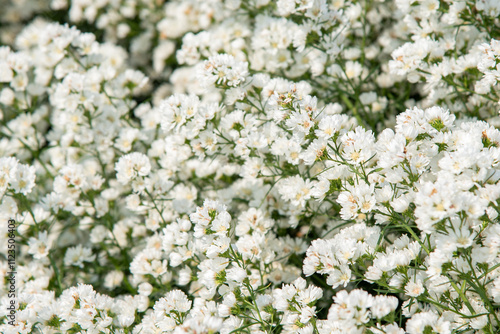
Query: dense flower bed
point(250, 166)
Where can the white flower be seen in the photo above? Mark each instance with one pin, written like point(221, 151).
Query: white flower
point(414, 289)
point(383, 305)
point(296, 190)
point(236, 274)
point(331, 125)
point(113, 279)
point(132, 165)
point(358, 146)
point(174, 300)
point(8, 167)
point(224, 69)
point(75, 256)
point(24, 179)
point(177, 110)
point(39, 247)
point(358, 198)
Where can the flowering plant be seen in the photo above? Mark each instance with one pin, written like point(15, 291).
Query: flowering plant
point(250, 166)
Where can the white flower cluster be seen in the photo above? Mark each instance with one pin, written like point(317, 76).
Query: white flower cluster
point(448, 42)
point(296, 302)
point(488, 65)
point(351, 312)
point(334, 256)
point(223, 69)
point(16, 176)
point(294, 167)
